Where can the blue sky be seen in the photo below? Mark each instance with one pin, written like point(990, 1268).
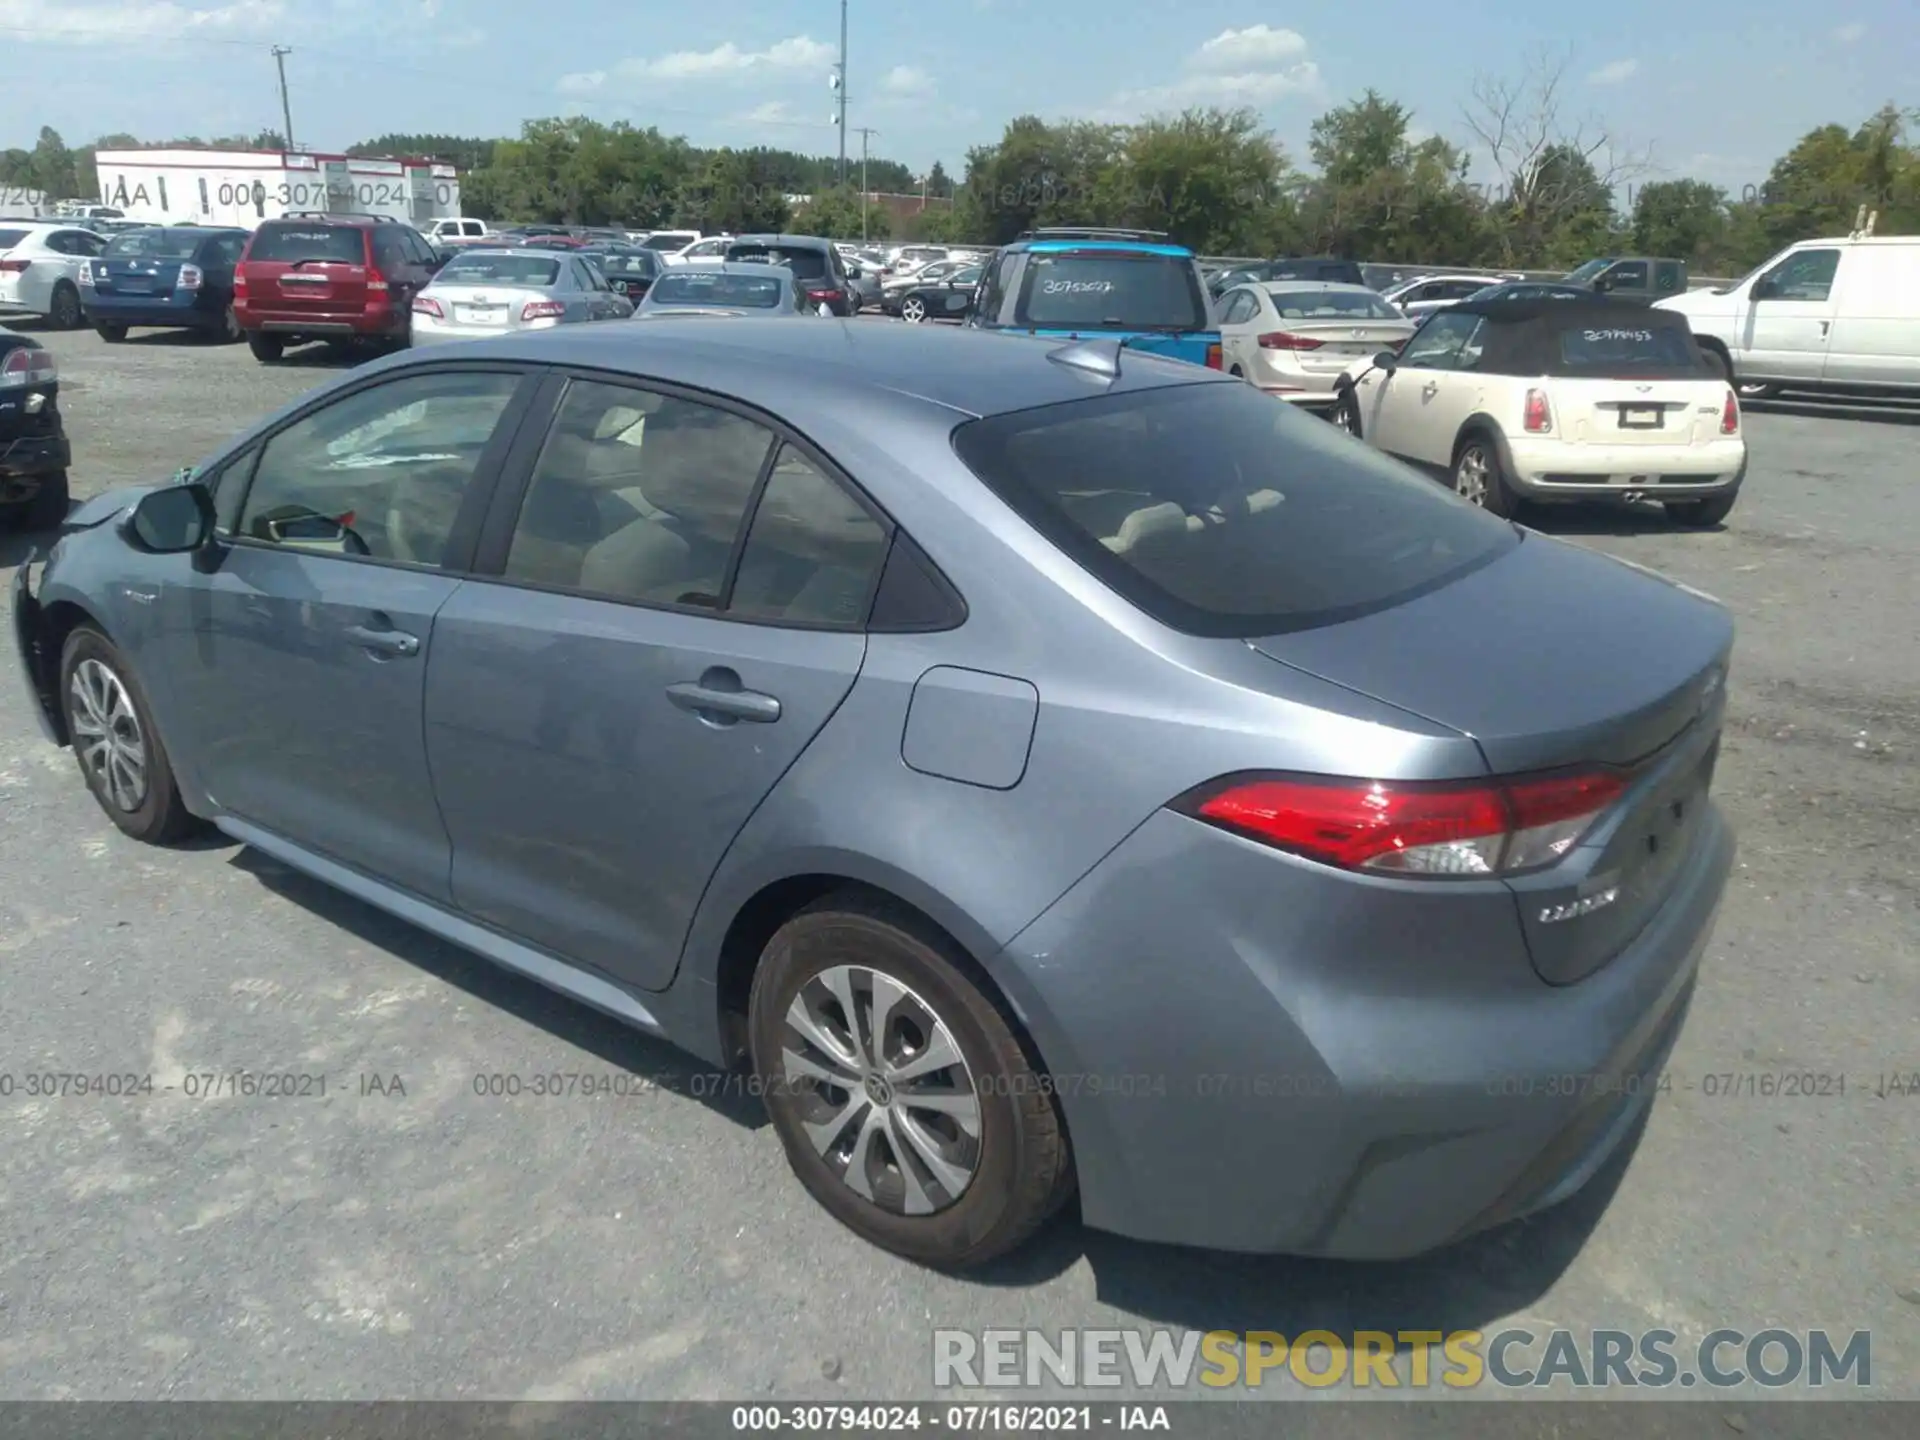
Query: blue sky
point(1718, 88)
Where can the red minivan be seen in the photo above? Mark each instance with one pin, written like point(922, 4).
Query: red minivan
point(338, 278)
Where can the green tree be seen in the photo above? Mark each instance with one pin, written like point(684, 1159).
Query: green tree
point(742, 192)
point(1379, 193)
point(53, 166)
point(939, 184)
point(1209, 178)
point(836, 214)
point(1685, 219)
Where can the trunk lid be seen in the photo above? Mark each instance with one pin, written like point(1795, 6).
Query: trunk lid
point(1342, 342)
point(1637, 412)
point(486, 307)
point(296, 270)
point(1556, 656)
point(136, 275)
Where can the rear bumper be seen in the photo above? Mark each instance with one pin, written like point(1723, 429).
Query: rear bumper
point(190, 312)
point(429, 331)
point(372, 325)
point(35, 455)
point(1252, 1056)
point(1555, 470)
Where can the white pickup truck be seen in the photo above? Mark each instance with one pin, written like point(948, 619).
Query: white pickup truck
point(458, 230)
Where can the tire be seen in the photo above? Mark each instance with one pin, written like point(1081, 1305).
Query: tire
point(1699, 514)
point(913, 310)
point(267, 349)
point(1236, 372)
point(1479, 479)
point(1001, 1183)
point(100, 695)
point(1344, 414)
point(1717, 360)
point(65, 312)
point(229, 331)
point(49, 504)
point(112, 334)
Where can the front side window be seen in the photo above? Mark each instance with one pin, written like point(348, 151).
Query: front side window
point(1437, 344)
point(1219, 513)
point(1110, 290)
point(1629, 273)
point(1806, 275)
point(813, 554)
point(638, 496)
point(380, 473)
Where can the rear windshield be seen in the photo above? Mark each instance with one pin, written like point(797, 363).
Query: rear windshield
point(1343, 272)
point(1665, 349)
point(1107, 290)
point(11, 238)
point(155, 245)
point(640, 263)
point(805, 263)
point(756, 292)
point(532, 270)
point(343, 244)
point(1332, 305)
point(1220, 513)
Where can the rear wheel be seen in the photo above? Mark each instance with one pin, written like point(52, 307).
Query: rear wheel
point(65, 312)
point(229, 332)
point(1701, 513)
point(267, 349)
point(44, 509)
point(112, 334)
point(904, 1101)
point(119, 751)
point(1478, 478)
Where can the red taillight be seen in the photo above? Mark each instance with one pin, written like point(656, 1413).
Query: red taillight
point(1730, 414)
point(239, 281)
point(190, 278)
point(817, 294)
point(376, 282)
point(14, 267)
point(1461, 830)
point(541, 310)
point(427, 305)
point(27, 366)
point(1281, 340)
point(1216, 359)
point(1539, 418)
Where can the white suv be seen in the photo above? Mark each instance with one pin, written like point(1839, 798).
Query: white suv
point(40, 269)
point(1555, 400)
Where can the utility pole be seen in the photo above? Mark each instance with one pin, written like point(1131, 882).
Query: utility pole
point(840, 84)
point(280, 53)
point(866, 132)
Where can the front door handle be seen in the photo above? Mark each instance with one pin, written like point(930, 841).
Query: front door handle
point(718, 693)
point(1430, 387)
point(384, 642)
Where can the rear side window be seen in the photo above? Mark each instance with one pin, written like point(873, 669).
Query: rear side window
point(11, 238)
point(1220, 513)
point(288, 244)
point(1628, 349)
point(1106, 290)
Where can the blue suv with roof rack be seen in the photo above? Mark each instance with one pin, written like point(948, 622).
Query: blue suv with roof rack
point(1083, 283)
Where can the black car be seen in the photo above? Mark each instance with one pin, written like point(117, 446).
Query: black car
point(816, 265)
point(172, 277)
point(1323, 268)
point(950, 297)
point(33, 445)
point(630, 269)
point(1532, 290)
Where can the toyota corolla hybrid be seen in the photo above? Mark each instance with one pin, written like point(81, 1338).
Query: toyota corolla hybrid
point(1047, 767)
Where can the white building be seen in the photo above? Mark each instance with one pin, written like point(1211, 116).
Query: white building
point(244, 187)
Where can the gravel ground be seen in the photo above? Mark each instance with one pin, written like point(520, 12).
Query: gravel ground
point(440, 1244)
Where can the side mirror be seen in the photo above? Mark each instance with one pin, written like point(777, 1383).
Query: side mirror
point(173, 521)
point(1602, 285)
point(1386, 361)
point(1765, 288)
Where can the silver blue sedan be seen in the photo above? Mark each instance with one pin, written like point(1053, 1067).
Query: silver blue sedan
point(1032, 768)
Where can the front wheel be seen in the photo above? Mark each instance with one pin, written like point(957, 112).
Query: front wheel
point(1699, 514)
point(905, 1104)
point(1345, 414)
point(913, 310)
point(1478, 478)
point(267, 349)
point(114, 740)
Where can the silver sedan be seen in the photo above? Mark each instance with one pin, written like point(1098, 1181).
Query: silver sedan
point(483, 293)
point(733, 288)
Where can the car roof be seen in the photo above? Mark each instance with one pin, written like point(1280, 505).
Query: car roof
point(796, 369)
point(1503, 310)
point(1338, 287)
point(1134, 247)
point(732, 267)
point(815, 242)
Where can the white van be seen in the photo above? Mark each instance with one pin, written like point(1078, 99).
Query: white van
point(1839, 315)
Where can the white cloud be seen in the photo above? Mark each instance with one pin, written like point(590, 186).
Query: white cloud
point(581, 82)
point(1850, 32)
point(1256, 48)
point(798, 52)
point(1254, 67)
point(772, 112)
point(907, 81)
point(54, 21)
point(1614, 73)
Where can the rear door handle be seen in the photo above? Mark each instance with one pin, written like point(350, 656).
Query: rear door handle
point(384, 642)
point(705, 698)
